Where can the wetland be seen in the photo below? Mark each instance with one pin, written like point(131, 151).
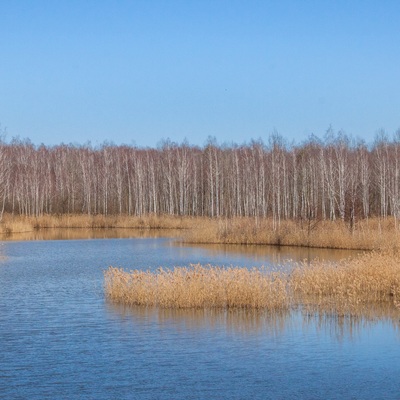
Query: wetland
point(62, 338)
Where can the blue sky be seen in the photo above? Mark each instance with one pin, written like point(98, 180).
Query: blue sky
point(137, 72)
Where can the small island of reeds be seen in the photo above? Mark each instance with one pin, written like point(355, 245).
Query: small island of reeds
point(372, 278)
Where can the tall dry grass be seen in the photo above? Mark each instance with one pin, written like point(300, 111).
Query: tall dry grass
point(364, 235)
point(10, 225)
point(347, 288)
point(18, 224)
point(198, 287)
point(350, 286)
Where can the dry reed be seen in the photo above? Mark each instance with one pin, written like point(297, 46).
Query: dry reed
point(18, 224)
point(198, 287)
point(364, 235)
point(346, 288)
point(350, 287)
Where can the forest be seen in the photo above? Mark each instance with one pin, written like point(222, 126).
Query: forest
point(334, 178)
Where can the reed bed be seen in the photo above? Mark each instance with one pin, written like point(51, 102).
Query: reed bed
point(18, 224)
point(351, 286)
point(347, 288)
point(198, 287)
point(364, 235)
point(11, 225)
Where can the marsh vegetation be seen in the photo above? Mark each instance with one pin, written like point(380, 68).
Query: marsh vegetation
point(345, 288)
point(368, 234)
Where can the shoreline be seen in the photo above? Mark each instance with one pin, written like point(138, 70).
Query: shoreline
point(369, 234)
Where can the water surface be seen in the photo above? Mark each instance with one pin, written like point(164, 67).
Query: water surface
point(59, 338)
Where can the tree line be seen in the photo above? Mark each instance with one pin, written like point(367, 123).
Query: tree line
point(333, 178)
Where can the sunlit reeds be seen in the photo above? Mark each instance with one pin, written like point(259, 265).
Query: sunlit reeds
point(11, 225)
point(364, 235)
point(350, 286)
point(344, 288)
point(17, 224)
point(198, 287)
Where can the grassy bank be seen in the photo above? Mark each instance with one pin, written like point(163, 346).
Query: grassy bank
point(363, 235)
point(18, 224)
point(373, 278)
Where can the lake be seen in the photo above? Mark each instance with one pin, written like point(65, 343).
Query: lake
point(60, 338)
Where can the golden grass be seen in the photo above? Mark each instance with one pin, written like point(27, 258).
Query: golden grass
point(351, 287)
point(347, 288)
point(9, 226)
point(365, 235)
point(198, 287)
point(18, 224)
point(87, 233)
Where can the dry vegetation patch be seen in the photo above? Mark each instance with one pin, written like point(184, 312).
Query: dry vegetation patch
point(365, 235)
point(347, 288)
point(198, 287)
point(350, 286)
point(18, 224)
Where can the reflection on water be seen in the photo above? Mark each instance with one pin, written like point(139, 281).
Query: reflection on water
point(251, 322)
point(244, 322)
point(332, 322)
point(277, 255)
point(282, 256)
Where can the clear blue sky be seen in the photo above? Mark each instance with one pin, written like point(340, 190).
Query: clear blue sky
point(140, 71)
